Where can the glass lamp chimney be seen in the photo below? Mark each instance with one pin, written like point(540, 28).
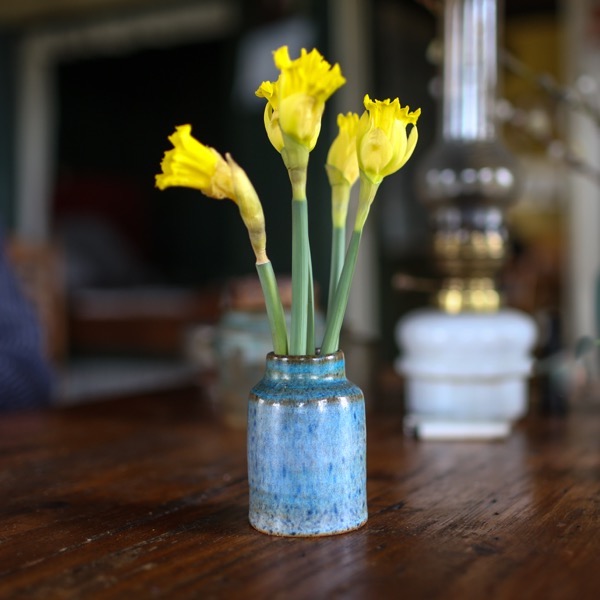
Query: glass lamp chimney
point(469, 178)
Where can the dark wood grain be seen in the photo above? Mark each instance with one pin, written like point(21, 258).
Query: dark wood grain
point(147, 498)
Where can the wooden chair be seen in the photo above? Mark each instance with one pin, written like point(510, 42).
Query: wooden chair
point(40, 270)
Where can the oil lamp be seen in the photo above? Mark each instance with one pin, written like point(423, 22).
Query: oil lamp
point(466, 361)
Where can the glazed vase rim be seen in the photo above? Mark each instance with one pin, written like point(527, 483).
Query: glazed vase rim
point(306, 358)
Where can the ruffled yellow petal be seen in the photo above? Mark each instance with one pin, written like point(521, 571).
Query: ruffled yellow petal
point(413, 137)
point(309, 74)
point(271, 119)
point(268, 90)
point(281, 58)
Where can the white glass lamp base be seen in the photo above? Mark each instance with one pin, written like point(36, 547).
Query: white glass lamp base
point(466, 374)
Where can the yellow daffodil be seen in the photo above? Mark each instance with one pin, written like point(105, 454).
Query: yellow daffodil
point(303, 87)
point(194, 165)
point(342, 163)
point(382, 143)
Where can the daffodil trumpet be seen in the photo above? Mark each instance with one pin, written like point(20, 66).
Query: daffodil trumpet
point(300, 93)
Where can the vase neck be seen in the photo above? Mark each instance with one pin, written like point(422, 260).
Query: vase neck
point(330, 366)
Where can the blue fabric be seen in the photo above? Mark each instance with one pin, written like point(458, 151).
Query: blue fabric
point(26, 378)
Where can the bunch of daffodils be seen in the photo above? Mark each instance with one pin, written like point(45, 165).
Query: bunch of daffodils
point(367, 149)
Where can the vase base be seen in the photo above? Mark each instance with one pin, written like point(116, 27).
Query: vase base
point(305, 534)
point(286, 515)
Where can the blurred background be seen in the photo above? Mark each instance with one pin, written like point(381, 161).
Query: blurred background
point(131, 281)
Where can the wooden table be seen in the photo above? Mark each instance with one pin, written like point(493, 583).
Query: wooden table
point(147, 498)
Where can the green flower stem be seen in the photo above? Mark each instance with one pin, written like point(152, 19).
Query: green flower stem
point(300, 274)
point(310, 311)
point(295, 157)
point(274, 307)
point(338, 249)
point(331, 340)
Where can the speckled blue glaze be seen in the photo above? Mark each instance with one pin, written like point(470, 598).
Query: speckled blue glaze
point(306, 448)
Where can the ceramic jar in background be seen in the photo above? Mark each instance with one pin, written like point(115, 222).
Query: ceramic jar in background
point(242, 341)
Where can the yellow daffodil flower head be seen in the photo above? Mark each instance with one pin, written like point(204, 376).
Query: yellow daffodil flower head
point(382, 143)
point(303, 87)
point(192, 164)
point(342, 162)
point(305, 84)
point(250, 210)
point(268, 90)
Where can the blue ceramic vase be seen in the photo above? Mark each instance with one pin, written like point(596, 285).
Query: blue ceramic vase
point(306, 448)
